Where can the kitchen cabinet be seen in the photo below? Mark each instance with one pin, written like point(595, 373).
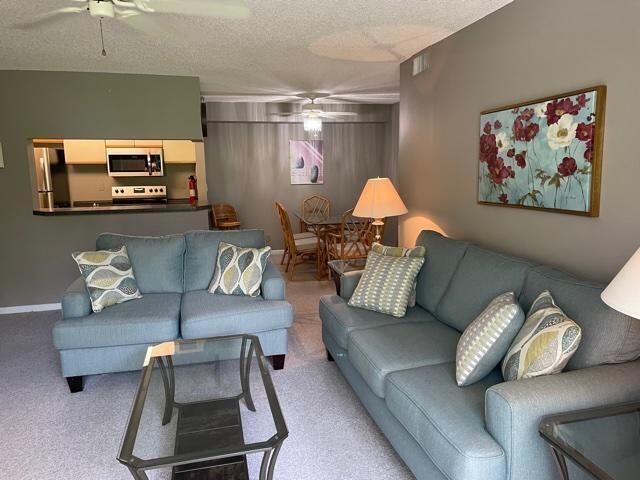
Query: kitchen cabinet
point(85, 152)
point(119, 143)
point(148, 143)
point(179, 151)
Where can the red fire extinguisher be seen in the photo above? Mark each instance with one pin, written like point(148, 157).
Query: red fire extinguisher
point(193, 190)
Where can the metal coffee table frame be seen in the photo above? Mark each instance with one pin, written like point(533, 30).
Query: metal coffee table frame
point(270, 448)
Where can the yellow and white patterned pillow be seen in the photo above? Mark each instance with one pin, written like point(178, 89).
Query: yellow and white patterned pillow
point(544, 345)
point(108, 276)
point(239, 270)
point(418, 251)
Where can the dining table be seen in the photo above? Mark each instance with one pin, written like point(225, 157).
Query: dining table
point(320, 225)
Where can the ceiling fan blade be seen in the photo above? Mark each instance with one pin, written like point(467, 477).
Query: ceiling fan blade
point(339, 114)
point(285, 114)
point(141, 23)
point(48, 17)
point(203, 8)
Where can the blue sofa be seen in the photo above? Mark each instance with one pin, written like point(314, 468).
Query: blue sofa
point(173, 273)
point(403, 370)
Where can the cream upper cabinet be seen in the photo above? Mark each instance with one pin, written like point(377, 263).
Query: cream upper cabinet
point(119, 143)
point(78, 152)
point(179, 151)
point(148, 143)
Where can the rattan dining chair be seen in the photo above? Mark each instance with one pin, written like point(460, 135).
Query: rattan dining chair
point(315, 206)
point(298, 250)
point(225, 217)
point(353, 239)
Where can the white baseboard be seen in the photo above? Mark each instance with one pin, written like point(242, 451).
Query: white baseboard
point(277, 252)
point(45, 307)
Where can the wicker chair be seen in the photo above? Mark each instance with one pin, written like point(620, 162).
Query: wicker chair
point(301, 249)
point(225, 217)
point(315, 206)
point(352, 240)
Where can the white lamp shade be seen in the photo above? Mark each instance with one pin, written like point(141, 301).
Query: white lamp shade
point(379, 199)
point(623, 293)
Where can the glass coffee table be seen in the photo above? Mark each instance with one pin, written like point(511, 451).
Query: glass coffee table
point(200, 410)
point(604, 442)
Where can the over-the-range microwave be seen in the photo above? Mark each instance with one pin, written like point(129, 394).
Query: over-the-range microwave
point(135, 162)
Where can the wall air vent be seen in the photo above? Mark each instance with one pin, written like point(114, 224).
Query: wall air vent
point(420, 63)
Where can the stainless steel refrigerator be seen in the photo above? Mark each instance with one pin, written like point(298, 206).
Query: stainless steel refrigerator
point(44, 158)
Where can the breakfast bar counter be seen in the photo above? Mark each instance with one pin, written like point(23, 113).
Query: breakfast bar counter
point(109, 208)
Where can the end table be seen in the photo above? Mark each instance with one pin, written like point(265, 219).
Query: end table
point(604, 442)
point(340, 267)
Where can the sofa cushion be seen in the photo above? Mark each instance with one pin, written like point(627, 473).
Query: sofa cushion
point(202, 252)
point(108, 276)
point(340, 319)
point(447, 421)
point(205, 314)
point(441, 261)
point(481, 276)
point(607, 335)
point(153, 318)
point(386, 284)
point(157, 261)
point(377, 352)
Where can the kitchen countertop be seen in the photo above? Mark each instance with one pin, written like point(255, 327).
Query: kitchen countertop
point(110, 208)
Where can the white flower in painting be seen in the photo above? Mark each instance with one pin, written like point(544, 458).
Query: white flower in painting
point(503, 142)
point(541, 110)
point(561, 134)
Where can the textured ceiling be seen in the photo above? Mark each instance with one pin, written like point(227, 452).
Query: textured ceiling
point(284, 46)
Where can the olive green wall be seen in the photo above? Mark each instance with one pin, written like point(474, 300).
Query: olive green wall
point(35, 262)
point(526, 50)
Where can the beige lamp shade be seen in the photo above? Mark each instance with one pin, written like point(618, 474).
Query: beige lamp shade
point(623, 293)
point(379, 199)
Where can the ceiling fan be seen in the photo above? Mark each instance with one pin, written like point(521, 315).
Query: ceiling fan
point(312, 113)
point(128, 9)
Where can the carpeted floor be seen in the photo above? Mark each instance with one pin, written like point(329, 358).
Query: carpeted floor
point(47, 433)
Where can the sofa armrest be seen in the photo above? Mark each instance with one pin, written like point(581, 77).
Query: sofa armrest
point(513, 410)
point(76, 301)
point(349, 282)
point(273, 286)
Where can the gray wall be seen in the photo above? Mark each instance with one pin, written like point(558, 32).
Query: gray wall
point(247, 155)
point(527, 50)
point(35, 251)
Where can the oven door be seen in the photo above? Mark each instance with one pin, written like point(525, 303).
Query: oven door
point(135, 162)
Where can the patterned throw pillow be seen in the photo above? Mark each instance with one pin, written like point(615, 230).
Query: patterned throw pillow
point(239, 270)
point(418, 251)
point(108, 276)
point(486, 339)
point(545, 344)
point(386, 283)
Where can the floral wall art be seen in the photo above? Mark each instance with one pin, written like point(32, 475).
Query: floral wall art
point(545, 154)
point(305, 158)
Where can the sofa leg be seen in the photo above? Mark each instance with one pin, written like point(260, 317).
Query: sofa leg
point(76, 384)
point(277, 361)
point(329, 357)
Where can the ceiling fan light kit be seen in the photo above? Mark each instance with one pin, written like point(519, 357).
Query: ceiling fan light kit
point(313, 125)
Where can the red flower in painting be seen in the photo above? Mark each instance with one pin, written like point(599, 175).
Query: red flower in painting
point(558, 107)
point(521, 160)
point(498, 171)
point(487, 128)
point(497, 125)
point(524, 133)
point(585, 131)
point(588, 153)
point(527, 114)
point(503, 198)
point(511, 152)
point(582, 100)
point(568, 167)
point(488, 147)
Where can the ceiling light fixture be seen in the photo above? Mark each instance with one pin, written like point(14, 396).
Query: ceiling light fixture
point(313, 125)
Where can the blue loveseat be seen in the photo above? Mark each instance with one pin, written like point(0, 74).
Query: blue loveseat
point(403, 370)
point(173, 273)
